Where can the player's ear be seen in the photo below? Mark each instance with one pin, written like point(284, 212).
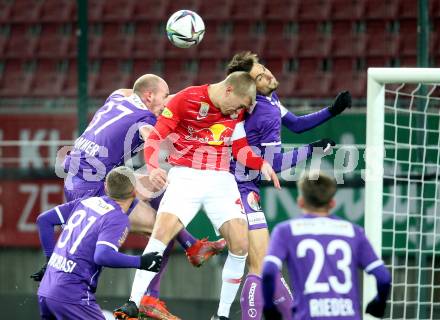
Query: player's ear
point(300, 202)
point(332, 203)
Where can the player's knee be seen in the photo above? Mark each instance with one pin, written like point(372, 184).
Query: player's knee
point(239, 246)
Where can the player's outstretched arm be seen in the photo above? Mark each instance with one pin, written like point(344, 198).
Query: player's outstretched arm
point(108, 257)
point(299, 124)
point(46, 222)
point(377, 306)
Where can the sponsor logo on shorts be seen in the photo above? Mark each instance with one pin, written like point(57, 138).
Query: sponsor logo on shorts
point(252, 313)
point(251, 296)
point(253, 200)
point(256, 218)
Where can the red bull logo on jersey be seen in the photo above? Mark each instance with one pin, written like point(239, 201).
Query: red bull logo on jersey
point(216, 135)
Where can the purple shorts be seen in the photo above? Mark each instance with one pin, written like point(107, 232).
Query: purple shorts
point(250, 198)
point(51, 310)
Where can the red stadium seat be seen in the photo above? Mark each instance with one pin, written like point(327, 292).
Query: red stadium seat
point(215, 10)
point(115, 43)
point(279, 44)
point(48, 80)
point(346, 43)
point(380, 9)
point(27, 11)
point(288, 83)
point(243, 10)
point(110, 78)
point(216, 43)
point(281, 10)
point(4, 38)
point(177, 76)
point(408, 38)
point(53, 43)
point(149, 41)
point(313, 10)
point(315, 44)
point(356, 83)
point(380, 41)
point(95, 9)
point(210, 71)
point(150, 10)
point(118, 10)
point(22, 43)
point(174, 6)
point(58, 11)
point(17, 82)
point(143, 66)
point(409, 62)
point(247, 37)
point(5, 10)
point(313, 85)
point(408, 9)
point(347, 10)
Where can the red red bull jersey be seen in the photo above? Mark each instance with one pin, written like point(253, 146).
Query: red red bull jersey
point(201, 134)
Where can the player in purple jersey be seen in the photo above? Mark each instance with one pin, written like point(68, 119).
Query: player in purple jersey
point(94, 229)
point(115, 134)
point(263, 131)
point(323, 254)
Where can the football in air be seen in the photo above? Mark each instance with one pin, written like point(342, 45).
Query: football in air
point(185, 29)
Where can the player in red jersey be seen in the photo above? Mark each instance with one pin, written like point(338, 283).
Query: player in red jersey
point(204, 122)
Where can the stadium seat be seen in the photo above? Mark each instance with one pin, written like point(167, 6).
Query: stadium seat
point(281, 10)
point(314, 10)
point(141, 67)
point(247, 37)
point(408, 9)
point(53, 43)
point(18, 82)
point(5, 10)
point(380, 41)
point(408, 38)
point(58, 11)
point(347, 43)
point(174, 6)
point(22, 43)
point(288, 84)
point(313, 85)
point(210, 71)
point(118, 10)
point(356, 83)
point(94, 10)
point(315, 44)
point(177, 76)
point(115, 43)
point(251, 11)
point(4, 38)
point(215, 10)
point(348, 10)
point(27, 11)
point(217, 44)
point(110, 78)
point(280, 44)
point(409, 62)
point(150, 10)
point(149, 41)
point(48, 81)
point(380, 9)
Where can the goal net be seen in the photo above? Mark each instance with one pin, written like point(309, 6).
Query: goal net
point(402, 192)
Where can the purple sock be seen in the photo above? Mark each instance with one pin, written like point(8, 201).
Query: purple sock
point(185, 239)
point(251, 299)
point(283, 298)
point(154, 287)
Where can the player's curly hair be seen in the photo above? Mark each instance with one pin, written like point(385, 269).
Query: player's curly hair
point(242, 61)
point(317, 189)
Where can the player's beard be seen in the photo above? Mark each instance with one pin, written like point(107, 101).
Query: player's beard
point(273, 85)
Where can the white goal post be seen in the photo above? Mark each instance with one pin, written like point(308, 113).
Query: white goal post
point(375, 146)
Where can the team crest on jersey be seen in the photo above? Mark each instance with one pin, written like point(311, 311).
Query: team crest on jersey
point(203, 111)
point(167, 113)
point(253, 200)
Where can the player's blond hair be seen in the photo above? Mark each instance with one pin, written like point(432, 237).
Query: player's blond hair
point(147, 82)
point(242, 83)
point(317, 189)
point(242, 61)
point(120, 183)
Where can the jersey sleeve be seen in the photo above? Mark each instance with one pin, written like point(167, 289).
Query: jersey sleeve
point(277, 252)
point(114, 230)
point(368, 259)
